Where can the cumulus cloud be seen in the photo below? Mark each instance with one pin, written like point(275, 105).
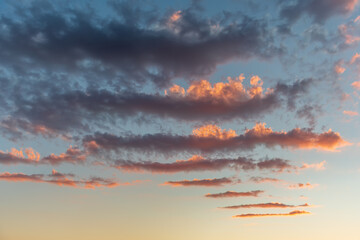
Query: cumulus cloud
point(292, 213)
point(228, 194)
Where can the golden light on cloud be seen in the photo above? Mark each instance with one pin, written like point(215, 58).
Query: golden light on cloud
point(213, 131)
point(292, 213)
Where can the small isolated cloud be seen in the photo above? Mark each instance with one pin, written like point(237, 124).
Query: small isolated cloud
point(265, 180)
point(229, 194)
point(302, 186)
point(316, 166)
point(356, 85)
point(266, 205)
point(213, 182)
point(293, 213)
point(351, 113)
point(339, 68)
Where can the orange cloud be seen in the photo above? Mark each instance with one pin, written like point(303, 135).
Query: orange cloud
point(214, 139)
point(296, 138)
point(351, 113)
point(356, 85)
point(316, 166)
point(293, 213)
point(28, 156)
point(72, 155)
point(354, 58)
point(349, 38)
point(302, 186)
point(338, 68)
point(266, 205)
point(232, 91)
point(59, 179)
point(234, 194)
point(175, 16)
point(213, 131)
point(213, 182)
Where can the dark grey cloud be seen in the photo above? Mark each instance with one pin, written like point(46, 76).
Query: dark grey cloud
point(257, 136)
point(59, 112)
point(197, 163)
point(318, 10)
point(43, 37)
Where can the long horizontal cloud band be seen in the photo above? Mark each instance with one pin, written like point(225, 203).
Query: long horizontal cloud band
point(74, 110)
point(292, 213)
point(59, 179)
point(198, 163)
point(259, 135)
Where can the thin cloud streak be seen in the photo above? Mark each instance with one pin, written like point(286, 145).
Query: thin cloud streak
point(251, 215)
point(229, 194)
point(266, 205)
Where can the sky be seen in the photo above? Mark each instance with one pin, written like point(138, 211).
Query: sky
point(231, 119)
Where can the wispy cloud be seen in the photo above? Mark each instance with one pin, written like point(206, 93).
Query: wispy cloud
point(229, 194)
point(211, 182)
point(266, 205)
point(293, 213)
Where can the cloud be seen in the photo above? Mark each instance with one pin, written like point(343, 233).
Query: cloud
point(316, 166)
point(266, 205)
point(302, 186)
point(212, 182)
point(318, 10)
point(134, 46)
point(213, 131)
point(293, 213)
point(354, 58)
point(72, 155)
point(351, 113)
point(258, 135)
point(338, 67)
point(356, 85)
point(28, 156)
point(198, 163)
point(60, 112)
point(59, 179)
point(235, 194)
point(264, 180)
